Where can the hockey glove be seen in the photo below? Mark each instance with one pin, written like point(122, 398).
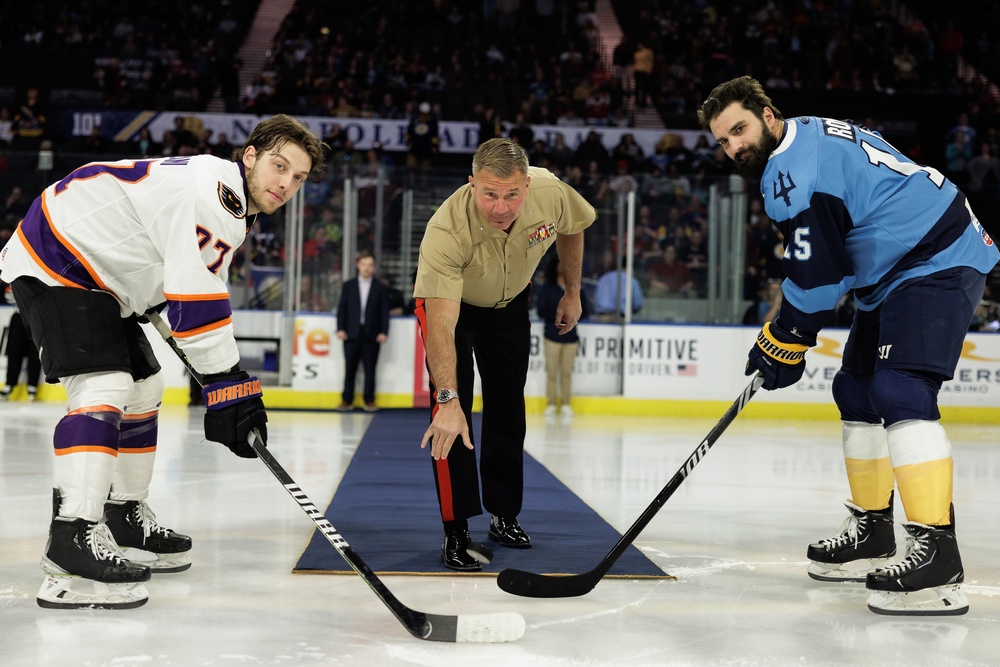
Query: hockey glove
point(778, 357)
point(233, 409)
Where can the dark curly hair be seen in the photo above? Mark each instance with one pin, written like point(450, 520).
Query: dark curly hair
point(744, 89)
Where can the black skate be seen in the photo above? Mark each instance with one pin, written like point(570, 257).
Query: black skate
point(925, 583)
point(865, 541)
point(144, 541)
point(84, 568)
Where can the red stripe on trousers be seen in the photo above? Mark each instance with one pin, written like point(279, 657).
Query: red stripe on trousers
point(444, 490)
point(440, 465)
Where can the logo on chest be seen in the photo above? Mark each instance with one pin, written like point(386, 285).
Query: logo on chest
point(541, 234)
point(231, 201)
point(783, 189)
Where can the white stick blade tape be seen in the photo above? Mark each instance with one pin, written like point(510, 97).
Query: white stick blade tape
point(505, 627)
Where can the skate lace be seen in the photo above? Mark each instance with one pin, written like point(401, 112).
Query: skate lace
point(102, 544)
point(849, 530)
point(145, 518)
point(916, 548)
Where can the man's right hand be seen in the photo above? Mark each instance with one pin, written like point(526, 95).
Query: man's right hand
point(447, 425)
point(234, 408)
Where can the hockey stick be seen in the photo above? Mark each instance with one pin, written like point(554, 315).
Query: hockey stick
point(496, 627)
point(528, 584)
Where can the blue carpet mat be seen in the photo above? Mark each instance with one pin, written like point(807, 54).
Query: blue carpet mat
point(386, 509)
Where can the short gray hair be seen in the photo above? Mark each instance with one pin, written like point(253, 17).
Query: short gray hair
point(501, 157)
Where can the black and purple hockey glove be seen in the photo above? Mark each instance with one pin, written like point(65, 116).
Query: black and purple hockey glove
point(233, 409)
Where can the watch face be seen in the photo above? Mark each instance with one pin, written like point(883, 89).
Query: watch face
point(445, 395)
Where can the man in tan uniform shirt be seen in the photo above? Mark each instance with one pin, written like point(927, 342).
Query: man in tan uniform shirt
point(477, 257)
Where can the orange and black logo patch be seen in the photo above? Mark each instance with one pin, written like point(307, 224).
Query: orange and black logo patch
point(231, 201)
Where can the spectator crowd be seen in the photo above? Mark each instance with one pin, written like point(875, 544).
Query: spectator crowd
point(507, 65)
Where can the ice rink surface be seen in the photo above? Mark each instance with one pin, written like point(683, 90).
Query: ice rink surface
point(734, 535)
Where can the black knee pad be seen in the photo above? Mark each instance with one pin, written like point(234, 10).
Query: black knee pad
point(899, 395)
point(850, 393)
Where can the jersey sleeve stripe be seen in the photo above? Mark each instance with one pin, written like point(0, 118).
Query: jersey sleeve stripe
point(200, 330)
point(816, 300)
point(196, 297)
point(191, 318)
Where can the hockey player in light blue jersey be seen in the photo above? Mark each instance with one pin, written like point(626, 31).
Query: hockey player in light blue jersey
point(856, 214)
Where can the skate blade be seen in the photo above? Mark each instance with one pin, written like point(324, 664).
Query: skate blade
point(158, 563)
point(855, 570)
point(940, 601)
point(67, 592)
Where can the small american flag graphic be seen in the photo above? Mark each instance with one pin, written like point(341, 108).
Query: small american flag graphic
point(687, 370)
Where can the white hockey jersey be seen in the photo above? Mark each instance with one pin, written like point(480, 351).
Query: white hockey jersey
point(147, 232)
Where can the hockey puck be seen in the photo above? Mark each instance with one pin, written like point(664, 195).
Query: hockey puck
point(481, 552)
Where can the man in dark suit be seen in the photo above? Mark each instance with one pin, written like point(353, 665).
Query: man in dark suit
point(363, 325)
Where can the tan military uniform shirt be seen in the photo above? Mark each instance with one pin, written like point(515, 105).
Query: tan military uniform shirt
point(463, 258)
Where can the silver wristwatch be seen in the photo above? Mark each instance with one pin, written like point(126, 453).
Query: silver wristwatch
point(445, 395)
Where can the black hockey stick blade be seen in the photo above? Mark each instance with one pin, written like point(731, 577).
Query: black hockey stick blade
point(481, 628)
point(533, 585)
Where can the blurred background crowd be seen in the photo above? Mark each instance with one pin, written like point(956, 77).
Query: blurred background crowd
point(922, 74)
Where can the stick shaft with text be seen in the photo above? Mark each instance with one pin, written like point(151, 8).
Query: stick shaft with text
point(482, 628)
point(529, 584)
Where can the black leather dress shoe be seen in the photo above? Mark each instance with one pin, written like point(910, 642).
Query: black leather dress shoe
point(454, 554)
point(508, 532)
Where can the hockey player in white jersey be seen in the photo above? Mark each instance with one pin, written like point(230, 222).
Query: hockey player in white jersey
point(96, 251)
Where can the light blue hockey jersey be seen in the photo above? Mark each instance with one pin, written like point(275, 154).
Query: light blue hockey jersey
point(857, 214)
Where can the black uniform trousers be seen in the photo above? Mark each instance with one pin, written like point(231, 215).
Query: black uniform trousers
point(364, 351)
point(500, 339)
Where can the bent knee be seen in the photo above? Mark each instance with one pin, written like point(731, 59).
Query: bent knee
point(850, 393)
point(146, 394)
point(900, 395)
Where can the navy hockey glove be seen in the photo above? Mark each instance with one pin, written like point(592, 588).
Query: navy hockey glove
point(233, 409)
point(777, 356)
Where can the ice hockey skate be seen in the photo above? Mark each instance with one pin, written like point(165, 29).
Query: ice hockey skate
point(925, 583)
point(84, 568)
point(142, 540)
point(865, 541)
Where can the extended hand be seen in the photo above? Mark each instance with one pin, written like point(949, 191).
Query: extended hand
point(448, 425)
point(568, 313)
